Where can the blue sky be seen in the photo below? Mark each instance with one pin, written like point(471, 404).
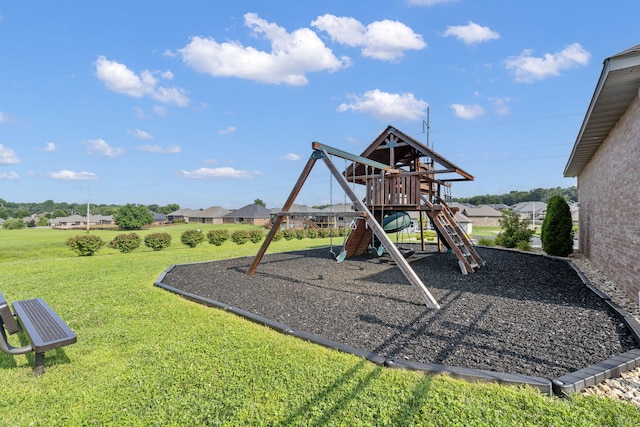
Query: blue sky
point(206, 103)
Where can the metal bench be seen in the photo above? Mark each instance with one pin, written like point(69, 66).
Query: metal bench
point(44, 329)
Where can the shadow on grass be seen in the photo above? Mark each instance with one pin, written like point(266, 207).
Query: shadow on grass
point(333, 400)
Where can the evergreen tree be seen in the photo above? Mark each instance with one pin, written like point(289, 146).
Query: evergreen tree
point(556, 233)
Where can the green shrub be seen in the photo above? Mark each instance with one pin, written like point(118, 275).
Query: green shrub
point(256, 235)
point(514, 229)
point(132, 217)
point(312, 233)
point(125, 243)
point(300, 233)
point(240, 237)
point(192, 238)
point(85, 245)
point(485, 241)
point(279, 235)
point(523, 245)
point(157, 241)
point(13, 224)
point(556, 233)
point(288, 234)
point(323, 232)
point(217, 237)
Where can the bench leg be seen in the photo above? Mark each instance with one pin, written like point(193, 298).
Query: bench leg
point(38, 369)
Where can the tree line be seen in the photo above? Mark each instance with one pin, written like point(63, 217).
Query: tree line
point(514, 197)
point(53, 209)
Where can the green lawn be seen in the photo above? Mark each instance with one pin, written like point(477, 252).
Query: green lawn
point(147, 357)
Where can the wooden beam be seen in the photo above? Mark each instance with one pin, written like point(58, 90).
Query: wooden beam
point(278, 221)
point(377, 229)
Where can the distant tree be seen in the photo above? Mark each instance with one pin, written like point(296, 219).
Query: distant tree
point(13, 224)
point(556, 233)
point(21, 213)
point(260, 202)
point(43, 221)
point(4, 212)
point(154, 208)
point(171, 207)
point(132, 217)
point(58, 213)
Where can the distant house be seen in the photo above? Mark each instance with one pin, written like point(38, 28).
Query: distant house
point(300, 216)
point(251, 214)
point(181, 215)
point(74, 221)
point(483, 215)
point(534, 211)
point(606, 158)
point(211, 215)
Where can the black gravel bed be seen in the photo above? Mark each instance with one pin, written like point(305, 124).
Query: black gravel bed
point(519, 314)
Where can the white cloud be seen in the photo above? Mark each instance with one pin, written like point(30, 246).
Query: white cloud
point(50, 146)
point(471, 33)
point(153, 148)
point(73, 176)
point(8, 156)
point(140, 134)
point(468, 111)
point(291, 157)
point(100, 146)
point(527, 68)
point(223, 172)
point(120, 79)
point(387, 106)
point(501, 105)
point(160, 110)
point(292, 55)
point(428, 2)
point(227, 131)
point(385, 40)
point(11, 176)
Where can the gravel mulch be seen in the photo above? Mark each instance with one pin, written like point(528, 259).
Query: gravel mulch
point(520, 314)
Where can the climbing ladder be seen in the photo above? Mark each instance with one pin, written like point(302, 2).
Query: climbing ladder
point(455, 238)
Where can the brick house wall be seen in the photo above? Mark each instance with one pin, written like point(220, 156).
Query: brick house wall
point(609, 194)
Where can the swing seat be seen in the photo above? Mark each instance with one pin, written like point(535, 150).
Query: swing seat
point(377, 251)
point(341, 257)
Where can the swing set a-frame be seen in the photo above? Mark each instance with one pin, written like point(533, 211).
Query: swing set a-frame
point(396, 178)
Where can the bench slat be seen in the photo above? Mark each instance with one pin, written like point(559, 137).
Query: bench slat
point(42, 325)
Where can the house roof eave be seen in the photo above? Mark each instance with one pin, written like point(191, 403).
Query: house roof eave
point(617, 87)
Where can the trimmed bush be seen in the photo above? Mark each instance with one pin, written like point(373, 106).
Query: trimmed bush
point(125, 243)
point(256, 235)
point(240, 237)
point(157, 241)
point(85, 245)
point(300, 233)
point(288, 234)
point(192, 238)
point(279, 235)
point(556, 233)
point(323, 233)
point(217, 237)
point(312, 233)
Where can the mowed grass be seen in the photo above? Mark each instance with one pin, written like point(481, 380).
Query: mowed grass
point(147, 357)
